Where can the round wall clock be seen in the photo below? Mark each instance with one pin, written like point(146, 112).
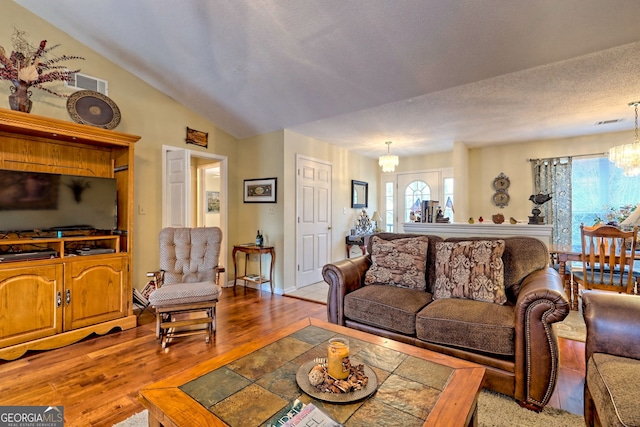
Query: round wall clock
point(93, 108)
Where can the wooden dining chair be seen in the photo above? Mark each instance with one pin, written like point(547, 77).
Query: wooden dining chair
point(607, 259)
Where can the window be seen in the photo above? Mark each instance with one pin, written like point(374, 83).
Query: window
point(414, 194)
point(403, 194)
point(388, 206)
point(448, 195)
point(599, 189)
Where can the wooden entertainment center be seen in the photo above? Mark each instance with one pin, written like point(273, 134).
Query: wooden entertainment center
point(68, 294)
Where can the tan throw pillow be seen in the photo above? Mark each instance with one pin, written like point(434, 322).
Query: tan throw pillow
point(470, 269)
point(398, 262)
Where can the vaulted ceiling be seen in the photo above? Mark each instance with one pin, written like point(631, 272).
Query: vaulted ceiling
point(421, 73)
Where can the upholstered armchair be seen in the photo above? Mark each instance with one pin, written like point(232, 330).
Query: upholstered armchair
point(612, 354)
point(188, 281)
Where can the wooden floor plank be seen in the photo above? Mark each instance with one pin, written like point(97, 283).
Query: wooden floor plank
point(97, 380)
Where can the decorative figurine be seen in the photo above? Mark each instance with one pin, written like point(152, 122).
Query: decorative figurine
point(440, 218)
point(364, 225)
point(538, 200)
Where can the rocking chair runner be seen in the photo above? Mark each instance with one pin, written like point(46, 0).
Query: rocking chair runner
point(188, 282)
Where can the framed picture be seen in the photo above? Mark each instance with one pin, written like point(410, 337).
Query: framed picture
point(197, 137)
point(260, 190)
point(213, 202)
point(359, 194)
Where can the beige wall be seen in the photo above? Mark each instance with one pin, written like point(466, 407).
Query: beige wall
point(475, 169)
point(157, 118)
point(486, 163)
point(275, 155)
point(259, 157)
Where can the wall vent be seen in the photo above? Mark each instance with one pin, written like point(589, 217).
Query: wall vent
point(82, 81)
point(608, 122)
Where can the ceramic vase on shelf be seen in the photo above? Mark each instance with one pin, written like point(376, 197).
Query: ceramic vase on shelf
point(19, 98)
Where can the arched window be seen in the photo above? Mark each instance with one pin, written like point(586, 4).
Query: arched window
point(414, 193)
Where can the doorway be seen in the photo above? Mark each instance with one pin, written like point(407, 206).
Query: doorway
point(194, 191)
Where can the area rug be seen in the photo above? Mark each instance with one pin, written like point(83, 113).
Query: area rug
point(494, 410)
point(141, 419)
point(572, 327)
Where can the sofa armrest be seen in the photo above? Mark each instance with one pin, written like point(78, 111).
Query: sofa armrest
point(343, 277)
point(541, 302)
point(613, 324)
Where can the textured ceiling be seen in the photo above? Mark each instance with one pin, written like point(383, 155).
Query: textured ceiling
point(421, 73)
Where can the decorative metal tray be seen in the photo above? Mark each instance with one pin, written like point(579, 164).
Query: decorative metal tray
point(302, 377)
point(93, 108)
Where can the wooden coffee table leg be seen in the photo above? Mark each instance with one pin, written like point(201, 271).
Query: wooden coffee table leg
point(153, 421)
point(473, 422)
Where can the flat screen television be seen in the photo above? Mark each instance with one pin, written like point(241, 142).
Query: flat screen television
point(44, 201)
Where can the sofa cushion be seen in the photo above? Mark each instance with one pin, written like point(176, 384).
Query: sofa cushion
point(399, 262)
point(468, 324)
point(615, 389)
point(470, 269)
point(387, 307)
point(522, 255)
point(184, 293)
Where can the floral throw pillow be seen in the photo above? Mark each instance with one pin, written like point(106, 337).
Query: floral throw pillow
point(398, 262)
point(470, 269)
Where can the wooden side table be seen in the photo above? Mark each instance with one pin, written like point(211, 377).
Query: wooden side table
point(360, 241)
point(248, 250)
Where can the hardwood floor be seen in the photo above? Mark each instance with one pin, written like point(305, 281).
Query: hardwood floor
point(97, 380)
point(570, 386)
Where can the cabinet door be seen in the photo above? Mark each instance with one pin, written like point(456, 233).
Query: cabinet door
point(29, 303)
point(95, 290)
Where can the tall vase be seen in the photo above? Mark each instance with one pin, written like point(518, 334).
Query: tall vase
point(19, 98)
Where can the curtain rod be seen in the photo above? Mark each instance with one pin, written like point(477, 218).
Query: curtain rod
point(569, 157)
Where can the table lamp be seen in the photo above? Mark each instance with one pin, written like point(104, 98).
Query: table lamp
point(377, 218)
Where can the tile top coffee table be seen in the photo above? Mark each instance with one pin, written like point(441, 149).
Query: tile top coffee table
point(250, 384)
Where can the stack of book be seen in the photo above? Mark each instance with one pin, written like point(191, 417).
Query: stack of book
point(299, 414)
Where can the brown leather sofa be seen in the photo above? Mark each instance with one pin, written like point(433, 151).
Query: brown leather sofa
point(515, 341)
point(612, 353)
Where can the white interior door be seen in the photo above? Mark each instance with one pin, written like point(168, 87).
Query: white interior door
point(177, 206)
point(414, 188)
point(313, 236)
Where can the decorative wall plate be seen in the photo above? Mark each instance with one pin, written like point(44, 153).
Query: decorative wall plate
point(93, 108)
point(501, 182)
point(501, 199)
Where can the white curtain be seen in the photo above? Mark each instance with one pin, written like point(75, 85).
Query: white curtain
point(553, 176)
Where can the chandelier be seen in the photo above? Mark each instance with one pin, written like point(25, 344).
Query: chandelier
point(627, 156)
point(388, 162)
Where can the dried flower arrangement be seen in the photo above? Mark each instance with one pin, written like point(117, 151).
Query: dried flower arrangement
point(28, 65)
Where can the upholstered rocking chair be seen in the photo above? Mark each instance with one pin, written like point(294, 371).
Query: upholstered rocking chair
point(188, 282)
